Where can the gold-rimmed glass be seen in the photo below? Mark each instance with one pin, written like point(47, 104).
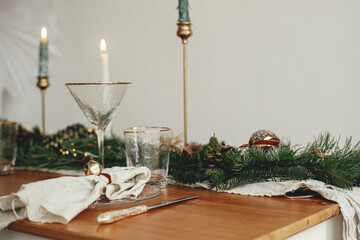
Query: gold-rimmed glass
point(98, 102)
point(149, 147)
point(8, 146)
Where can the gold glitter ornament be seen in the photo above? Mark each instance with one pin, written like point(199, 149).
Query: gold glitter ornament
point(263, 138)
point(262, 135)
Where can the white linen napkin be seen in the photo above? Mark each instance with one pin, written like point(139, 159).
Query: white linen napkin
point(61, 199)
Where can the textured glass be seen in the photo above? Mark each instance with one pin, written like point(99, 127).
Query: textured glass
point(8, 146)
point(148, 192)
point(149, 147)
point(98, 102)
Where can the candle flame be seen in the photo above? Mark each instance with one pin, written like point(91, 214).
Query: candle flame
point(103, 45)
point(43, 34)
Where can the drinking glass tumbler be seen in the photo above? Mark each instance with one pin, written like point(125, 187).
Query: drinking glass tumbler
point(8, 145)
point(149, 147)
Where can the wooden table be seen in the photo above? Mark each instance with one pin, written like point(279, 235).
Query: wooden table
point(212, 216)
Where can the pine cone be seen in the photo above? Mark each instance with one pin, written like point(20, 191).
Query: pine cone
point(214, 152)
point(213, 145)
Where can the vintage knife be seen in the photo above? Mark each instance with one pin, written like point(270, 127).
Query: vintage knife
point(113, 216)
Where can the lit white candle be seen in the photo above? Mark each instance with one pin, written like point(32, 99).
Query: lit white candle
point(104, 60)
point(43, 35)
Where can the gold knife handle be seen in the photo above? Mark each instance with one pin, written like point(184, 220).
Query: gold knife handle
point(113, 216)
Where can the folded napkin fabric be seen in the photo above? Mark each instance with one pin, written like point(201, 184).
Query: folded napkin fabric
point(61, 199)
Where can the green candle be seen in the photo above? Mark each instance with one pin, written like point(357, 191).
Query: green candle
point(43, 56)
point(184, 11)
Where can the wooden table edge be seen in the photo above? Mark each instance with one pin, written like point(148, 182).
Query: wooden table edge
point(303, 224)
point(19, 226)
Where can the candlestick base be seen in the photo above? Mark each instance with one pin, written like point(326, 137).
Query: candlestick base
point(184, 31)
point(43, 83)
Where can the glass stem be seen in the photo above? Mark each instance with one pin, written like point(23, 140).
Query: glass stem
point(100, 137)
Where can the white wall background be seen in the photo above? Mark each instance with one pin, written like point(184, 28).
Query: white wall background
point(291, 66)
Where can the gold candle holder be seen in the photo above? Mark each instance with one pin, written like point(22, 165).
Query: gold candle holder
point(184, 32)
point(43, 84)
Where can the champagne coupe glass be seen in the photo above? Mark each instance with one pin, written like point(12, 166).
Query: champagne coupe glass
point(98, 102)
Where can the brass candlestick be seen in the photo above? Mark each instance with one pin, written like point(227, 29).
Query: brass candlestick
point(184, 32)
point(43, 84)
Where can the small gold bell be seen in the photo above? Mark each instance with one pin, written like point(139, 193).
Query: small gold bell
point(92, 168)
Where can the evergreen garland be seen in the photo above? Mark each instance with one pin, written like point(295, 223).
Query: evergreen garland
point(321, 160)
point(70, 148)
point(221, 166)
